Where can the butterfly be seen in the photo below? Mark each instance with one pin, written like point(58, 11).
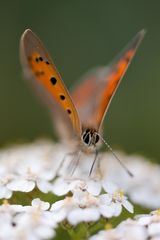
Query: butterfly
point(78, 116)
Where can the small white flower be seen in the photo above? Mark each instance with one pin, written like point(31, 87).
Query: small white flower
point(117, 196)
point(37, 221)
point(62, 186)
point(84, 206)
point(74, 213)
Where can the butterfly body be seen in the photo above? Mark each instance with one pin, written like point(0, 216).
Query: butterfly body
point(78, 117)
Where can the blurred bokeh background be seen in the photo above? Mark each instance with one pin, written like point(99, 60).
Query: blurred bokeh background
point(81, 35)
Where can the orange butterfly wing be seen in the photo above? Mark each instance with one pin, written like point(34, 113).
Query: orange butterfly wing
point(93, 96)
point(38, 66)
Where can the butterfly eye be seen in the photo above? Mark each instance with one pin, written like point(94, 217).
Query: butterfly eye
point(90, 137)
point(86, 137)
point(97, 138)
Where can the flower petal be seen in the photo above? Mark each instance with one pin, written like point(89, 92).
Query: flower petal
point(79, 215)
point(40, 204)
point(5, 192)
point(128, 206)
point(21, 185)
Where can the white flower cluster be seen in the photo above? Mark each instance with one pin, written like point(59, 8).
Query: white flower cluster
point(143, 227)
point(22, 168)
point(144, 187)
point(85, 197)
point(86, 203)
point(33, 222)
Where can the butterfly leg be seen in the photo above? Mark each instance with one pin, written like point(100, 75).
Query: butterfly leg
point(98, 165)
point(63, 160)
point(95, 158)
point(78, 155)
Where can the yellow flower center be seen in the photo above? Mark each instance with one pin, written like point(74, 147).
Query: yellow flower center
point(118, 195)
point(108, 226)
point(157, 212)
point(5, 202)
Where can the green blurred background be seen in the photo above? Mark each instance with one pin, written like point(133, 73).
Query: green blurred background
point(80, 35)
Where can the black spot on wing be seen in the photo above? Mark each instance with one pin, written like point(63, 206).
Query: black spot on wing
point(69, 111)
point(40, 59)
point(53, 80)
point(62, 97)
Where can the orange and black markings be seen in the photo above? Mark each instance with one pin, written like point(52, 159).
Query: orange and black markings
point(50, 79)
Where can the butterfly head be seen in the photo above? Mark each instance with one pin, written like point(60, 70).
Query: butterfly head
point(90, 137)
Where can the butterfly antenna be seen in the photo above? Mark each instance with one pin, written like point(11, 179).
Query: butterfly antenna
point(121, 163)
